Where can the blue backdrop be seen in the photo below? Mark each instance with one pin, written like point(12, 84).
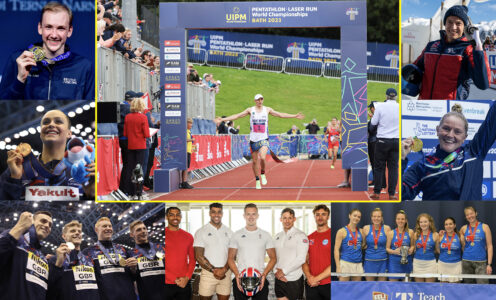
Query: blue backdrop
point(19, 22)
point(325, 50)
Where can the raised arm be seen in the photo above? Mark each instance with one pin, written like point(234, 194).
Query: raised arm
point(299, 115)
point(486, 135)
point(242, 114)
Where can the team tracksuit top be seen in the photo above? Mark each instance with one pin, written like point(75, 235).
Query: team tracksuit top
point(448, 67)
point(63, 284)
point(24, 268)
point(459, 180)
point(114, 282)
point(70, 78)
point(150, 276)
point(179, 254)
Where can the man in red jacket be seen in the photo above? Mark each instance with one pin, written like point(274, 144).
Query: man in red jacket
point(179, 258)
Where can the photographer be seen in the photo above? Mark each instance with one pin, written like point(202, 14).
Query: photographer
point(447, 66)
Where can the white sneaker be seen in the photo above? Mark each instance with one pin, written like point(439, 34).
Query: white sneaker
point(258, 186)
point(264, 180)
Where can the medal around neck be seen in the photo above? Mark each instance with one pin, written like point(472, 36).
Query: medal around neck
point(24, 149)
point(417, 144)
point(70, 245)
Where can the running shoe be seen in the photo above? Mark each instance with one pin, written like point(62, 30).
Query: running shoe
point(258, 185)
point(264, 180)
point(344, 185)
point(332, 166)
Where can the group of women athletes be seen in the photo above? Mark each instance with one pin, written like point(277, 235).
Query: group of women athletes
point(465, 251)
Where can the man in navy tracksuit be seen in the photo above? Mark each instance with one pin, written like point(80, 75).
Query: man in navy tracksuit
point(150, 275)
point(24, 267)
point(74, 278)
point(60, 75)
point(453, 172)
point(451, 63)
point(114, 269)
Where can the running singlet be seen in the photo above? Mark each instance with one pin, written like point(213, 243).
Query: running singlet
point(477, 252)
point(259, 124)
point(332, 135)
point(376, 254)
point(453, 253)
point(348, 251)
point(395, 244)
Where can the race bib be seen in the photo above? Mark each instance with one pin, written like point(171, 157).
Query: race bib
point(37, 270)
point(149, 267)
point(108, 267)
point(259, 128)
point(84, 277)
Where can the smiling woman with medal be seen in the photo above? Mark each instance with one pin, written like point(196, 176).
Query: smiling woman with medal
point(450, 251)
point(348, 248)
point(46, 177)
point(399, 261)
point(49, 70)
point(478, 251)
point(375, 250)
point(426, 240)
point(453, 171)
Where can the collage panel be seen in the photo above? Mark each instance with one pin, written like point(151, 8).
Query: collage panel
point(413, 250)
point(82, 250)
point(247, 251)
point(448, 50)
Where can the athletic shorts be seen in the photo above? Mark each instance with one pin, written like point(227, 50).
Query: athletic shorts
point(209, 285)
point(375, 266)
point(293, 290)
point(333, 144)
point(255, 146)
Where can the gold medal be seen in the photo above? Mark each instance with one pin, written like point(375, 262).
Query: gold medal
point(375, 247)
point(472, 244)
point(417, 144)
point(355, 247)
point(39, 53)
point(122, 262)
point(70, 246)
point(449, 251)
point(24, 149)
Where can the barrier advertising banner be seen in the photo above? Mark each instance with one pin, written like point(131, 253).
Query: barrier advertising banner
point(109, 171)
point(491, 56)
point(367, 290)
point(210, 150)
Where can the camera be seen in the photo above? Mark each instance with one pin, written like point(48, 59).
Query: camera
point(137, 175)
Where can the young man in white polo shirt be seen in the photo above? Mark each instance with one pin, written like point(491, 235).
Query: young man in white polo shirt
point(249, 245)
point(211, 246)
point(291, 249)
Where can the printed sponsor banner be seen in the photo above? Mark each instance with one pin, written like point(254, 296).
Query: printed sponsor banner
point(52, 193)
point(211, 150)
point(491, 56)
point(382, 290)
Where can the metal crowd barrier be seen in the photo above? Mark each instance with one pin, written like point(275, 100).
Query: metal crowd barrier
point(279, 64)
point(201, 102)
point(117, 74)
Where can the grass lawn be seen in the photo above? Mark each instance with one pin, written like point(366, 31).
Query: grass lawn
point(315, 97)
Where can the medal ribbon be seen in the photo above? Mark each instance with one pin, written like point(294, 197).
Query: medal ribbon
point(449, 241)
point(399, 240)
point(445, 162)
point(376, 237)
point(150, 254)
point(34, 168)
point(106, 253)
point(424, 243)
point(355, 235)
point(471, 237)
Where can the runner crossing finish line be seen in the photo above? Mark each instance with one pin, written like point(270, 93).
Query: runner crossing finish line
point(259, 135)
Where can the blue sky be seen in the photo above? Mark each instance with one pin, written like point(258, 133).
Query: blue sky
point(426, 8)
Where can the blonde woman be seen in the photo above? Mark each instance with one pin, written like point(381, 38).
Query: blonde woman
point(348, 247)
point(376, 257)
point(400, 236)
point(426, 242)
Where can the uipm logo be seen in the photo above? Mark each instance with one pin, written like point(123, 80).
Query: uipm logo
point(379, 296)
point(352, 12)
point(404, 296)
point(235, 16)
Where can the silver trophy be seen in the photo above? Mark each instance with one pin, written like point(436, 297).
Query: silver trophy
point(404, 255)
point(249, 284)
